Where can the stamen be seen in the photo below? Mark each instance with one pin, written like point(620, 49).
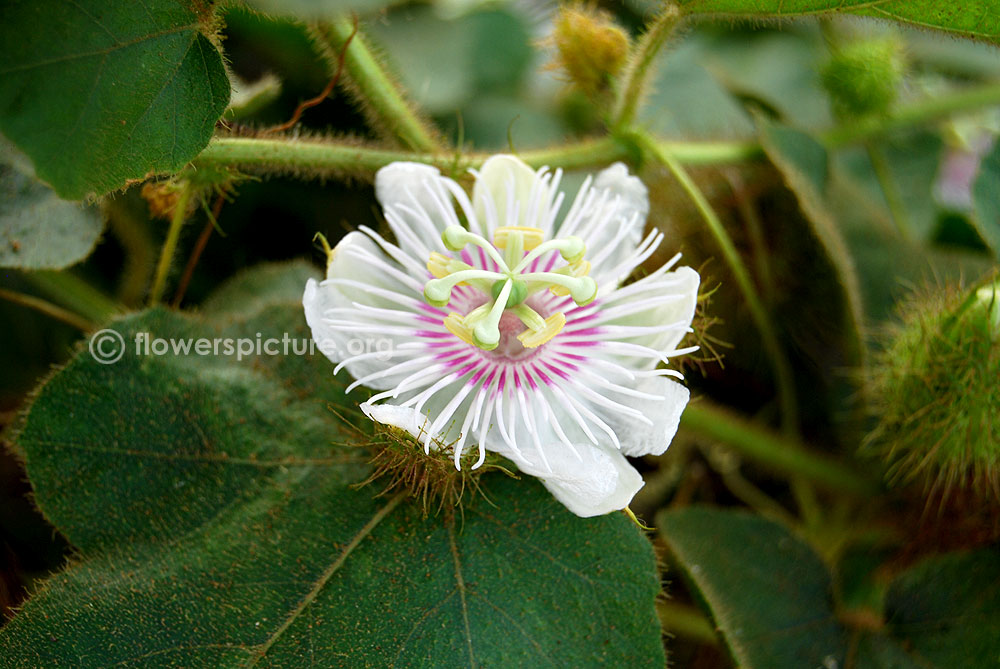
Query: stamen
point(531, 319)
point(531, 237)
point(440, 265)
point(535, 338)
point(577, 269)
point(458, 327)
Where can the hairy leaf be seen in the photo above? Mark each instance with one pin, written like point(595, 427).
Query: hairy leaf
point(947, 609)
point(97, 93)
point(213, 505)
point(37, 229)
point(769, 594)
point(977, 19)
point(986, 199)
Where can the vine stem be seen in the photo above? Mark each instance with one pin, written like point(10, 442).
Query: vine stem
point(640, 66)
point(778, 452)
point(893, 198)
point(170, 244)
point(687, 622)
point(73, 292)
point(769, 337)
point(325, 158)
point(378, 93)
point(51, 310)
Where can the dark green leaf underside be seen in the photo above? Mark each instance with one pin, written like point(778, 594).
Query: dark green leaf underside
point(112, 92)
point(769, 593)
point(211, 501)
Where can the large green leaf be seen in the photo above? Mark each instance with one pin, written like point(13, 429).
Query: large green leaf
point(977, 19)
point(210, 501)
point(986, 199)
point(948, 610)
point(37, 229)
point(769, 594)
point(97, 93)
point(805, 166)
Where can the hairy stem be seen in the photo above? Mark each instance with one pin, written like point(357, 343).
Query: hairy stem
point(640, 66)
point(76, 294)
point(769, 337)
point(51, 310)
point(929, 109)
point(325, 158)
point(170, 244)
point(777, 452)
point(687, 622)
point(382, 98)
point(890, 190)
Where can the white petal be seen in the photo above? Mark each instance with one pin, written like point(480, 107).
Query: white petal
point(599, 482)
point(639, 439)
point(337, 343)
point(404, 418)
point(406, 192)
point(616, 227)
point(671, 297)
point(503, 180)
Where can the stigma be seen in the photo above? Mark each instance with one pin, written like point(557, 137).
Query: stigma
point(506, 289)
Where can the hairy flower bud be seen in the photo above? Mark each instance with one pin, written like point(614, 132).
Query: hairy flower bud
point(863, 77)
point(592, 49)
point(935, 388)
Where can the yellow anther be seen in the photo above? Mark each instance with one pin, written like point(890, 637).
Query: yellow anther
point(532, 236)
point(577, 269)
point(437, 265)
point(535, 338)
point(457, 326)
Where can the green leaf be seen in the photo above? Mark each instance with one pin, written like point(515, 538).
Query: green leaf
point(98, 93)
point(986, 199)
point(947, 609)
point(769, 594)
point(977, 19)
point(805, 166)
point(37, 229)
point(212, 505)
point(318, 9)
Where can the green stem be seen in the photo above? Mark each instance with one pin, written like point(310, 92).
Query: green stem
point(170, 244)
point(687, 622)
point(929, 109)
point(325, 158)
point(76, 294)
point(769, 337)
point(51, 310)
point(640, 66)
point(893, 197)
point(777, 452)
point(381, 97)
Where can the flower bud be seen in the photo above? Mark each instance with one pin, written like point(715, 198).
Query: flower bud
point(591, 48)
point(936, 391)
point(863, 77)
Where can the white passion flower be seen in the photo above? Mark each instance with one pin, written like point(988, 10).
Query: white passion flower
point(510, 328)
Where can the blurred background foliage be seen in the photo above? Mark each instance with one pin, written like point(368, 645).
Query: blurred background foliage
point(485, 75)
